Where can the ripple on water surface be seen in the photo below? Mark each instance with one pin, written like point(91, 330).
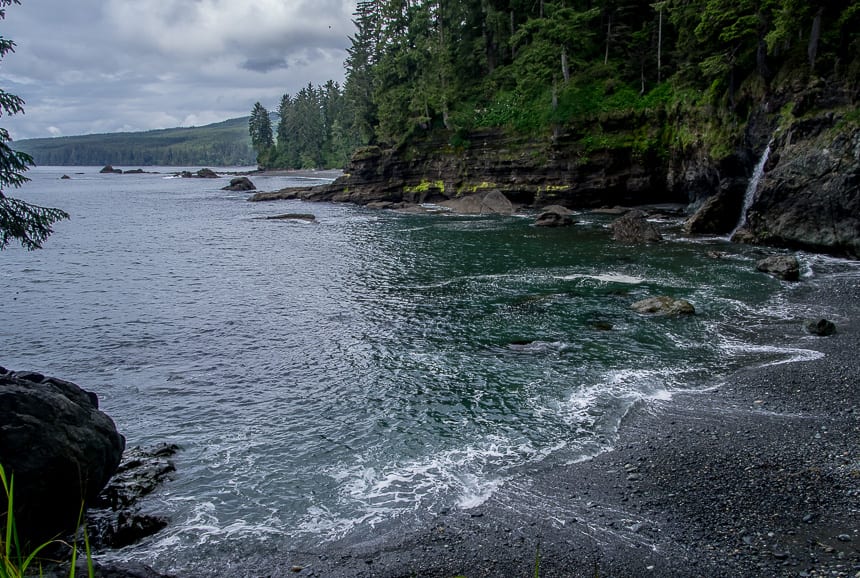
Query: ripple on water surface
point(371, 367)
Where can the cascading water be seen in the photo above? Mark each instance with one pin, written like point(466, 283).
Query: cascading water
point(752, 187)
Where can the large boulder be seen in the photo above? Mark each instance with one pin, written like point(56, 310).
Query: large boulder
point(633, 227)
point(809, 196)
point(491, 203)
point(784, 267)
point(60, 449)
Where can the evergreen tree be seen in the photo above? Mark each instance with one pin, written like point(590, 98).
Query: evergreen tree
point(260, 128)
point(28, 224)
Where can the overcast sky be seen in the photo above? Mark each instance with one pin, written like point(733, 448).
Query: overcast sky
point(94, 66)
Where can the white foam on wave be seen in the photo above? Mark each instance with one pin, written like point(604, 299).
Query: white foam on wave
point(605, 278)
point(464, 477)
point(784, 354)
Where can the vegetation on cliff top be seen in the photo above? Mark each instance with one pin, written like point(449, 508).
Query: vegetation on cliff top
point(540, 67)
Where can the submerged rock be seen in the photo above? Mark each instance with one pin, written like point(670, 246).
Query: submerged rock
point(60, 449)
point(292, 216)
point(107, 169)
point(634, 227)
point(664, 305)
point(784, 267)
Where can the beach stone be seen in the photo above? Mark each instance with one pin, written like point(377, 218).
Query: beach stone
point(820, 327)
point(664, 305)
point(784, 267)
point(60, 449)
point(634, 227)
point(240, 184)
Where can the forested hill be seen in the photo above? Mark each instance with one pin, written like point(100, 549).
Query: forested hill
point(221, 144)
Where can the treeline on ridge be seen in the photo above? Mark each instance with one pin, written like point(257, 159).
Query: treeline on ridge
point(532, 66)
point(221, 144)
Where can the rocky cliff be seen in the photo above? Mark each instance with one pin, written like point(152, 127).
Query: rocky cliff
point(807, 198)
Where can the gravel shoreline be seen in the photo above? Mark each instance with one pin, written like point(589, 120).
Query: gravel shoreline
point(758, 476)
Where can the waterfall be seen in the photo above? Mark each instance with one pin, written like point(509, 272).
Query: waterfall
point(752, 186)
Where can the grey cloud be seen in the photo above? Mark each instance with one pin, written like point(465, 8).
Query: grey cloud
point(265, 63)
point(105, 65)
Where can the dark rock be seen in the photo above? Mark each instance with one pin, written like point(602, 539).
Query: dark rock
point(241, 184)
point(293, 216)
point(492, 203)
point(134, 172)
point(784, 267)
point(634, 227)
point(555, 216)
point(60, 449)
point(664, 305)
point(810, 195)
point(107, 169)
point(822, 327)
point(201, 174)
point(717, 215)
point(115, 520)
point(65, 177)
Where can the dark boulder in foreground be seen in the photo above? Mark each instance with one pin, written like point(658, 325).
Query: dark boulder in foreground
point(663, 305)
point(107, 169)
point(60, 449)
point(241, 184)
point(820, 327)
point(634, 227)
point(784, 267)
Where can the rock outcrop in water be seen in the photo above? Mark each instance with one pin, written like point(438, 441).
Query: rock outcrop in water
point(240, 184)
point(809, 196)
point(633, 227)
point(60, 449)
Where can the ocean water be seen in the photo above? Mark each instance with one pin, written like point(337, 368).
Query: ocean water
point(372, 368)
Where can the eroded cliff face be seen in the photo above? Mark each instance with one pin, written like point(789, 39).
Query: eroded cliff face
point(809, 195)
point(529, 172)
